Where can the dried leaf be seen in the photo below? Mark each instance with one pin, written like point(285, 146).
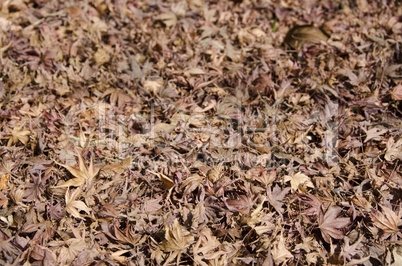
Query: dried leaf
point(300, 35)
point(387, 220)
point(168, 18)
point(167, 183)
point(297, 180)
point(81, 175)
point(397, 92)
point(18, 134)
point(177, 240)
point(194, 71)
point(3, 181)
point(279, 252)
point(329, 223)
point(394, 150)
point(74, 206)
point(375, 133)
point(152, 86)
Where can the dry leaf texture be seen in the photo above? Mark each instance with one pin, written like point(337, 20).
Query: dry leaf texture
point(193, 132)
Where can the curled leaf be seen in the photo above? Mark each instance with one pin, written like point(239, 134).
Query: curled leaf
point(300, 35)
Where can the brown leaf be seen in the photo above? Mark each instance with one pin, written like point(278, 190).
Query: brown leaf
point(81, 175)
point(397, 92)
point(177, 240)
point(300, 35)
point(18, 134)
point(279, 252)
point(3, 181)
point(167, 183)
point(261, 175)
point(329, 224)
point(275, 197)
point(375, 133)
point(74, 206)
point(394, 150)
point(168, 18)
point(387, 220)
point(297, 180)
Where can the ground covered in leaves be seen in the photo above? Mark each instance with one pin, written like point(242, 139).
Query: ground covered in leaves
point(199, 132)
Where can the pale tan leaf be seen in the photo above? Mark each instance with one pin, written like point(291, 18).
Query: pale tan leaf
point(3, 181)
point(375, 133)
point(19, 134)
point(101, 56)
point(176, 239)
point(394, 150)
point(74, 206)
point(152, 86)
point(194, 71)
point(168, 18)
point(81, 175)
point(397, 92)
point(387, 220)
point(298, 179)
point(279, 252)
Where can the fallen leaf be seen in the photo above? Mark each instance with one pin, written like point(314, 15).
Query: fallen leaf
point(3, 181)
point(394, 150)
point(81, 175)
point(152, 86)
point(387, 220)
point(374, 133)
point(18, 134)
point(177, 240)
point(280, 253)
point(397, 92)
point(168, 18)
point(74, 206)
point(300, 35)
point(167, 183)
point(329, 224)
point(194, 71)
point(298, 179)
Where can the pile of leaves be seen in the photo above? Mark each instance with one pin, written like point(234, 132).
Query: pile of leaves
point(200, 132)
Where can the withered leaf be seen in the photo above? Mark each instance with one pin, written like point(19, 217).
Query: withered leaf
point(18, 134)
point(177, 240)
point(280, 253)
point(397, 92)
point(74, 206)
point(168, 18)
point(167, 183)
point(275, 197)
point(298, 179)
point(329, 223)
point(387, 220)
point(80, 175)
point(3, 181)
point(300, 35)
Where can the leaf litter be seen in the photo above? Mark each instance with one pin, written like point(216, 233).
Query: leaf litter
point(200, 132)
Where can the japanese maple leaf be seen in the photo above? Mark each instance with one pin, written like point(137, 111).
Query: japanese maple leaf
point(387, 220)
point(280, 252)
point(177, 240)
point(329, 224)
point(204, 248)
point(275, 197)
point(74, 206)
point(80, 175)
point(18, 134)
point(117, 97)
point(374, 133)
point(298, 179)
